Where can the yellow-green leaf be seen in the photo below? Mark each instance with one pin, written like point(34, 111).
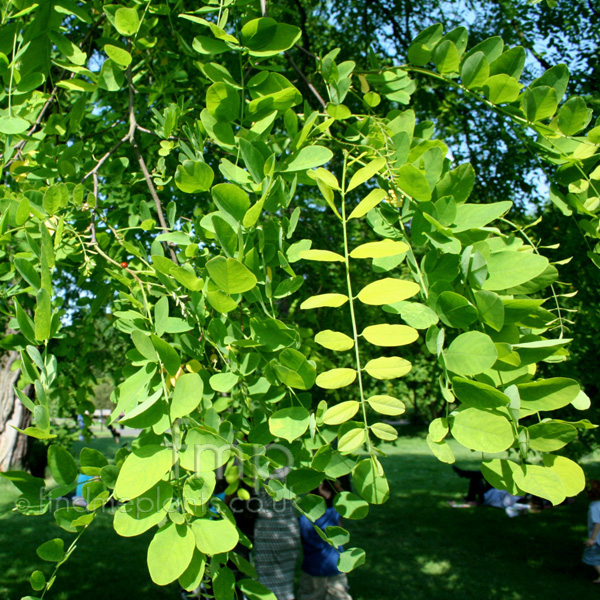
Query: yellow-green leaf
point(387, 291)
point(351, 440)
point(371, 201)
point(170, 552)
point(390, 335)
point(366, 173)
point(330, 300)
point(321, 255)
point(379, 249)
point(340, 413)
point(384, 432)
point(386, 405)
point(569, 472)
point(388, 367)
point(334, 340)
point(336, 378)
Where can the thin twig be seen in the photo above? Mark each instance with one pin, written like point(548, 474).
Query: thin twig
point(310, 86)
point(131, 137)
point(104, 158)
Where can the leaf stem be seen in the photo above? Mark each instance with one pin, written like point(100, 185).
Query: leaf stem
point(351, 303)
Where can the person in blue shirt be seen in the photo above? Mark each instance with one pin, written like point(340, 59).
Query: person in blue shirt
point(591, 555)
point(321, 579)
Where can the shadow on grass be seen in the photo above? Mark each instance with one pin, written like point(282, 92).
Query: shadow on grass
point(418, 547)
point(103, 566)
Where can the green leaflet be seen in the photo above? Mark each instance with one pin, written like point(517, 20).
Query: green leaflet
point(266, 37)
point(441, 450)
point(308, 158)
point(568, 471)
point(482, 430)
point(539, 103)
point(390, 335)
point(421, 49)
point(302, 481)
point(187, 396)
point(446, 57)
point(126, 21)
point(142, 469)
point(573, 116)
point(365, 173)
point(548, 394)
point(474, 216)
point(340, 413)
point(62, 465)
point(204, 451)
point(167, 354)
point(417, 315)
point(508, 269)
point(455, 310)
point(323, 300)
point(192, 177)
point(145, 511)
point(550, 436)
point(350, 559)
point(223, 101)
point(199, 489)
point(384, 431)
point(312, 506)
point(388, 367)
point(373, 198)
point(42, 318)
point(52, 550)
point(231, 200)
point(13, 125)
point(294, 370)
point(255, 590)
point(540, 481)
point(438, 429)
point(387, 291)
point(351, 437)
point(413, 182)
point(334, 340)
point(478, 394)
point(501, 88)
point(321, 255)
point(289, 423)
point(350, 506)
point(379, 249)
point(386, 405)
point(475, 70)
point(336, 378)
point(231, 275)
point(170, 552)
point(370, 481)
point(215, 536)
point(470, 354)
point(192, 577)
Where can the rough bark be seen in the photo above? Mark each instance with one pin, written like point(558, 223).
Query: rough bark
point(13, 445)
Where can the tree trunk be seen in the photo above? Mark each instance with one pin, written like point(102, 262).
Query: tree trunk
point(13, 445)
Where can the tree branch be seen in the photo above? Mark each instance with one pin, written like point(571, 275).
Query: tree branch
point(131, 138)
point(310, 86)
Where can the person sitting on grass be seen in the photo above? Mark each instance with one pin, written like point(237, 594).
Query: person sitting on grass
point(321, 579)
point(591, 554)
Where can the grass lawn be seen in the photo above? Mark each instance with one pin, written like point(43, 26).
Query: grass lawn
point(417, 546)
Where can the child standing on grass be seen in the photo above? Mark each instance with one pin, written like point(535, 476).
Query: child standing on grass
point(321, 579)
point(591, 554)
